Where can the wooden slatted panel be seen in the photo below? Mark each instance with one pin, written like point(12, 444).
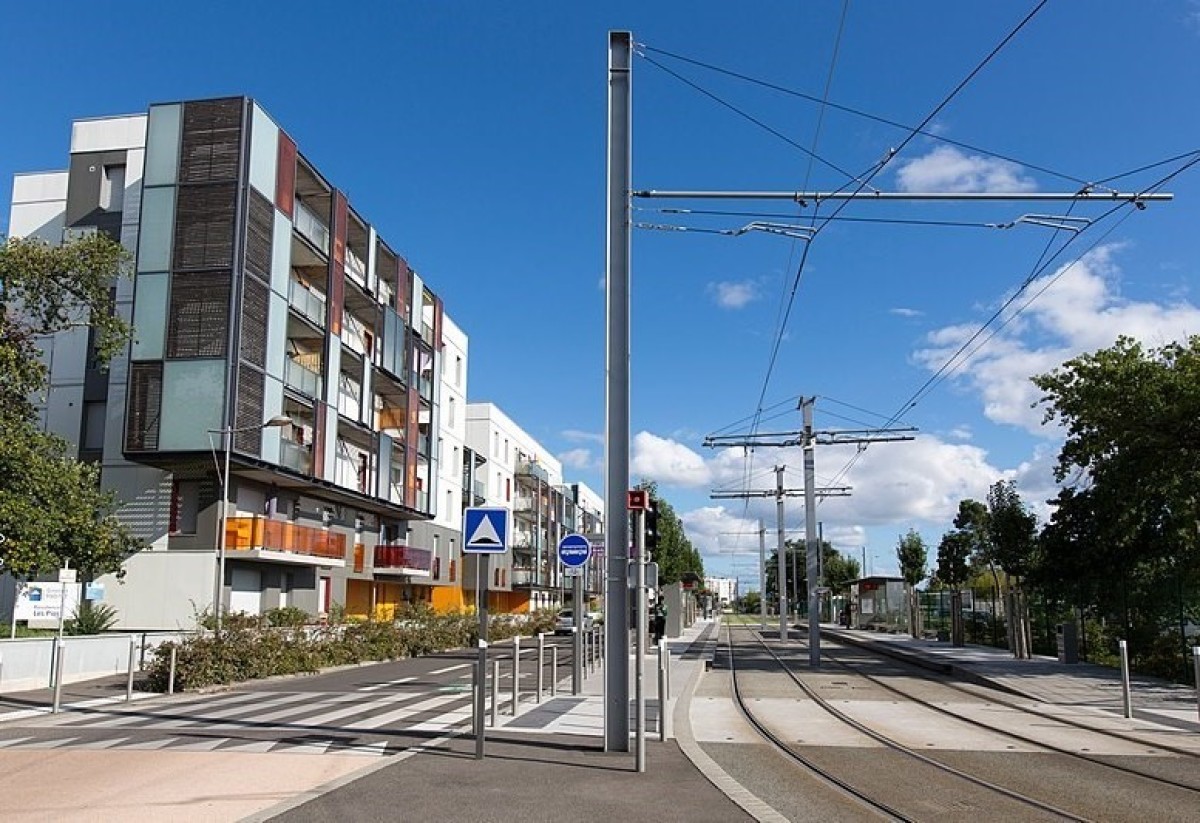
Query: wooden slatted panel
point(248, 413)
point(145, 403)
point(260, 229)
point(204, 223)
point(198, 315)
point(255, 305)
point(210, 148)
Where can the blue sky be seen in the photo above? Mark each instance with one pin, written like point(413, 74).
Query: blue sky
point(472, 134)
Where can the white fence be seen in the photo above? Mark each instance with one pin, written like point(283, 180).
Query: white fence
point(25, 663)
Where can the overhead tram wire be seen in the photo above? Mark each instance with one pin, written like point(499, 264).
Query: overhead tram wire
point(945, 371)
point(876, 118)
point(894, 221)
point(863, 183)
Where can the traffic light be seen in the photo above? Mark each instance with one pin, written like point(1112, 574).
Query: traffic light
point(652, 525)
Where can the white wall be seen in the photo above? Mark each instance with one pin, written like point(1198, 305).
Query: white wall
point(39, 203)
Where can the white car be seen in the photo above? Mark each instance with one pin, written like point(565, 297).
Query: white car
point(565, 622)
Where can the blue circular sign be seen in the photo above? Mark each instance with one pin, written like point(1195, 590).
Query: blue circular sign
point(574, 550)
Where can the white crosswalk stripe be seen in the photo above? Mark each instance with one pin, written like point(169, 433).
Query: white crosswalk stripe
point(13, 741)
point(377, 686)
point(404, 713)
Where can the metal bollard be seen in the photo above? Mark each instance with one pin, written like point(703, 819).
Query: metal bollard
point(132, 660)
point(58, 668)
point(171, 674)
point(553, 670)
point(1196, 660)
point(516, 687)
point(495, 691)
point(667, 648)
point(2, 669)
point(541, 673)
point(662, 693)
point(1124, 647)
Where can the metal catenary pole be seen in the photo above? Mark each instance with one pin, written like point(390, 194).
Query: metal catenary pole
point(782, 561)
point(616, 522)
point(639, 646)
point(810, 538)
point(762, 574)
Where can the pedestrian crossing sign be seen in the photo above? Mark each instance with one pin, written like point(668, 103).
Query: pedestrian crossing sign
point(485, 530)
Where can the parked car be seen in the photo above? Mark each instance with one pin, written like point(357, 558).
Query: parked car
point(565, 622)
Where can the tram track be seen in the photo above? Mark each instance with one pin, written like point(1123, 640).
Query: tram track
point(1153, 747)
point(874, 803)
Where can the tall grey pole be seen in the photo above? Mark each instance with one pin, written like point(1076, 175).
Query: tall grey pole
point(781, 561)
point(639, 646)
point(616, 436)
point(810, 538)
point(762, 574)
point(481, 609)
point(577, 637)
point(222, 537)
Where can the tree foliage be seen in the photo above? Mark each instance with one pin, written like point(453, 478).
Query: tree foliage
point(1123, 539)
point(838, 568)
point(913, 556)
point(675, 554)
point(52, 509)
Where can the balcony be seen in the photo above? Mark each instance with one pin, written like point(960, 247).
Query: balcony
point(355, 269)
point(280, 541)
point(311, 227)
point(406, 560)
point(307, 302)
point(301, 379)
point(531, 468)
point(295, 456)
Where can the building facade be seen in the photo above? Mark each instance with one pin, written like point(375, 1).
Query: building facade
point(258, 294)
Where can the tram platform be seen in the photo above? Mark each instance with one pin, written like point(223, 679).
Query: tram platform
point(1042, 679)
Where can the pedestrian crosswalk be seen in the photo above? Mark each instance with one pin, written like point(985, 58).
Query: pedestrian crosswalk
point(365, 722)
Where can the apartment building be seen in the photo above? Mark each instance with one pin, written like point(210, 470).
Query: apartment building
point(520, 474)
point(268, 311)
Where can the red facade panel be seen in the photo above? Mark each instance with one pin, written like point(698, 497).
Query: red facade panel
point(437, 323)
point(318, 455)
point(285, 176)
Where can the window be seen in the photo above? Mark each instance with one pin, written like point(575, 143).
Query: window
point(458, 371)
point(499, 484)
point(185, 506)
point(449, 502)
point(112, 188)
point(506, 450)
point(93, 425)
point(507, 489)
point(450, 415)
point(495, 444)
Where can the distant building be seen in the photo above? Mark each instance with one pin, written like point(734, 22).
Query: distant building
point(725, 588)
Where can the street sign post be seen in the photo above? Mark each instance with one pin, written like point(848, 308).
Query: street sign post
point(573, 552)
point(486, 531)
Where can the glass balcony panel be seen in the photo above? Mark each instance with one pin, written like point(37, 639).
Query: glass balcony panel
point(302, 379)
point(308, 302)
point(311, 226)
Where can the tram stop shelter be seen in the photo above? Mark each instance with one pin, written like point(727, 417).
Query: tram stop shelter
point(877, 603)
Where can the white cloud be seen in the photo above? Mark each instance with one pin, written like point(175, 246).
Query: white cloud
point(668, 462)
point(577, 436)
point(733, 295)
point(576, 458)
point(901, 311)
point(1079, 309)
point(946, 168)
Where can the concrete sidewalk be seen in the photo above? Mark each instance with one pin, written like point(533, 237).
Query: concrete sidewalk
point(84, 694)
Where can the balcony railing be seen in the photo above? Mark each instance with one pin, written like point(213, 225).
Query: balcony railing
point(311, 226)
point(531, 468)
point(355, 269)
point(301, 378)
point(403, 559)
point(524, 504)
point(295, 456)
point(306, 301)
point(249, 533)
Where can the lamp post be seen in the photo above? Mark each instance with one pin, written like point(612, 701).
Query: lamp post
point(227, 434)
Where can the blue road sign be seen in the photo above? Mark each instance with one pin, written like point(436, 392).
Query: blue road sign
point(485, 530)
point(574, 550)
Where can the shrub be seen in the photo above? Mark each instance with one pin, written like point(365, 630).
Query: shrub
point(287, 617)
point(91, 618)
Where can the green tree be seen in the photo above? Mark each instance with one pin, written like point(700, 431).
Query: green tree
point(1125, 521)
point(913, 556)
point(51, 507)
point(675, 554)
point(839, 570)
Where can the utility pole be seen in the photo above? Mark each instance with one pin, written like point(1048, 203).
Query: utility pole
point(762, 575)
point(616, 434)
point(807, 438)
point(782, 568)
point(812, 550)
point(779, 492)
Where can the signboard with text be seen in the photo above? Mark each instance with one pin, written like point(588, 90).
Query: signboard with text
point(43, 601)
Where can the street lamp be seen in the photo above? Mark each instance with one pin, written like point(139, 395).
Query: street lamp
point(227, 434)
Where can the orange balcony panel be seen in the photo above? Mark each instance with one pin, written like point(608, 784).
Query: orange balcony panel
point(403, 560)
point(261, 533)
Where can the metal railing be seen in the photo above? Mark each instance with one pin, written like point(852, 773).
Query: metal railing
point(311, 226)
point(306, 301)
point(301, 378)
